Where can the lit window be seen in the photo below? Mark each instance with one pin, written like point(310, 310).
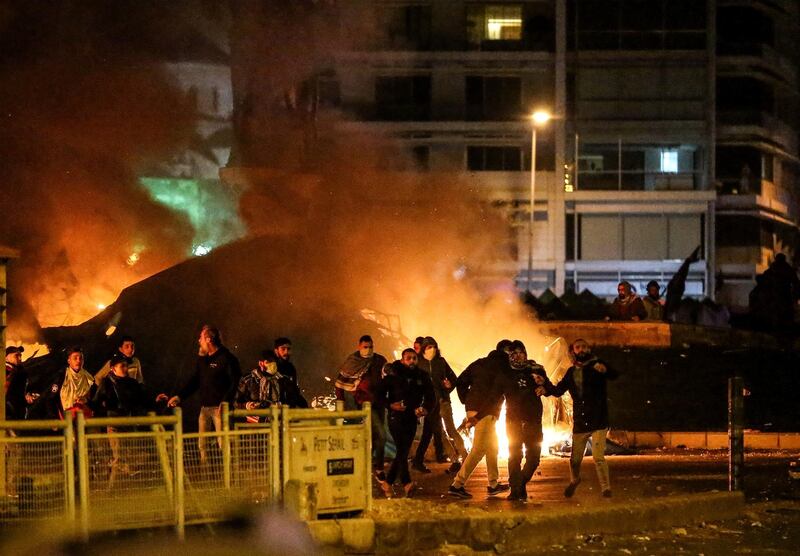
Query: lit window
point(669, 162)
point(503, 23)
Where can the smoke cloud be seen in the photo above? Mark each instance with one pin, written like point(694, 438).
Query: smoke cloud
point(84, 113)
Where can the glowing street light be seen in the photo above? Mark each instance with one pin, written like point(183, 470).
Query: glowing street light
point(540, 117)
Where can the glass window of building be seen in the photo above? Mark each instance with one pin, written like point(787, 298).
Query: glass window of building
point(669, 162)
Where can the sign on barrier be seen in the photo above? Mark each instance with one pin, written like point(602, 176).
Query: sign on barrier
point(332, 452)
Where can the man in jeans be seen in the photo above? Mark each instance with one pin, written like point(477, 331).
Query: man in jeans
point(480, 389)
point(586, 383)
point(216, 376)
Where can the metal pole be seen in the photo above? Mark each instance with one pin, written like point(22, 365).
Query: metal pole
point(735, 433)
point(226, 445)
point(83, 476)
point(69, 468)
point(180, 508)
point(533, 210)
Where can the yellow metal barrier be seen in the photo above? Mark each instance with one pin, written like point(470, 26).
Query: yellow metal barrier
point(128, 473)
point(39, 475)
point(141, 472)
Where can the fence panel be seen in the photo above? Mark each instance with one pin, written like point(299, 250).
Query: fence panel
point(39, 478)
point(128, 472)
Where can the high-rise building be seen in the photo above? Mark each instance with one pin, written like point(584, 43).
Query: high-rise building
point(674, 127)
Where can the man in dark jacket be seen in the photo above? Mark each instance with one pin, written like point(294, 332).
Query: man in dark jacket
point(119, 395)
point(626, 306)
point(480, 389)
point(264, 387)
point(282, 348)
point(216, 376)
point(356, 382)
point(15, 383)
point(444, 381)
point(407, 392)
point(523, 419)
point(585, 381)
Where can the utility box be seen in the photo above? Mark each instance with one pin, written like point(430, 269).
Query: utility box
point(332, 451)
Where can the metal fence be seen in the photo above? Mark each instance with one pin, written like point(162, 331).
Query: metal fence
point(38, 479)
point(141, 472)
point(128, 473)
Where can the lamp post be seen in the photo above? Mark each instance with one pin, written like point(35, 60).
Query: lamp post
point(538, 118)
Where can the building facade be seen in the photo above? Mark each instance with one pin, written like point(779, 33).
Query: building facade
point(656, 116)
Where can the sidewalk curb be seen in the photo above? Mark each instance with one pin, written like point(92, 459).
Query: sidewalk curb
point(517, 532)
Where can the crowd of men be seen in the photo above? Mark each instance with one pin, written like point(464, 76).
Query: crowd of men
point(417, 387)
point(414, 390)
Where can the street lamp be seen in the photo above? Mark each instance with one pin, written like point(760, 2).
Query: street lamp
point(540, 117)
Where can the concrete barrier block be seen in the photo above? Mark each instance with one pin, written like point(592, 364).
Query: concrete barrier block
point(426, 534)
point(789, 441)
point(456, 530)
point(761, 441)
point(485, 532)
point(688, 439)
point(327, 533)
point(717, 440)
point(358, 535)
point(392, 536)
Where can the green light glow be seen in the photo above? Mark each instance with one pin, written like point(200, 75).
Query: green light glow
point(212, 209)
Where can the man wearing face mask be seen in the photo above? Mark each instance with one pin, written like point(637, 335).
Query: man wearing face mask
point(264, 387)
point(585, 381)
point(523, 419)
point(444, 382)
point(356, 382)
point(407, 392)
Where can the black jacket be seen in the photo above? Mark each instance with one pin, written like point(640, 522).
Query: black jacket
point(121, 397)
point(590, 399)
point(216, 376)
point(480, 386)
point(16, 376)
point(522, 403)
point(438, 369)
point(280, 389)
point(286, 368)
point(410, 385)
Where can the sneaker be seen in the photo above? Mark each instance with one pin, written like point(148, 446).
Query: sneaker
point(459, 492)
point(409, 489)
point(387, 489)
point(495, 490)
point(454, 468)
point(607, 493)
point(443, 459)
point(417, 466)
point(513, 497)
point(570, 490)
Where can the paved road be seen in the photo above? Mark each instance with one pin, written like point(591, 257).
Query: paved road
point(653, 474)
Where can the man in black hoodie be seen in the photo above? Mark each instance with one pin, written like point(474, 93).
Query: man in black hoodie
point(216, 376)
point(408, 393)
point(444, 382)
point(523, 419)
point(480, 389)
point(586, 383)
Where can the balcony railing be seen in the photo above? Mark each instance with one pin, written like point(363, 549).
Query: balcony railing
point(635, 180)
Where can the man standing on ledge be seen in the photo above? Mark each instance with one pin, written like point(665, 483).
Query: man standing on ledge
point(216, 375)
